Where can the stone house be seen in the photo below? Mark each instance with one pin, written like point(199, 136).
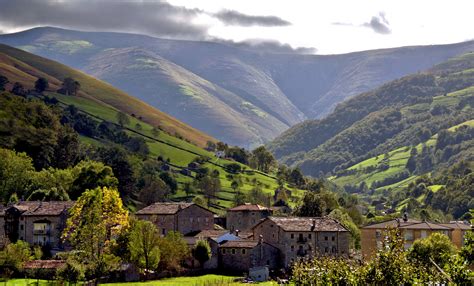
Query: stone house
point(186, 218)
point(245, 216)
point(372, 235)
point(239, 256)
point(298, 237)
point(36, 222)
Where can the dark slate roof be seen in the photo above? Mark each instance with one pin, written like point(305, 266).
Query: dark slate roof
point(307, 223)
point(39, 208)
point(163, 208)
point(240, 244)
point(249, 207)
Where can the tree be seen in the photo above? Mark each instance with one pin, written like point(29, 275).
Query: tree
point(348, 223)
point(16, 170)
point(95, 220)
point(209, 186)
point(202, 251)
point(69, 86)
point(14, 255)
point(67, 148)
point(41, 85)
point(152, 189)
point(18, 89)
point(262, 159)
point(174, 250)
point(3, 82)
point(317, 204)
point(296, 177)
point(122, 119)
point(144, 240)
point(436, 248)
point(89, 175)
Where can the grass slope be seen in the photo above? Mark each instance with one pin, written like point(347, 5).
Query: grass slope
point(27, 66)
point(94, 100)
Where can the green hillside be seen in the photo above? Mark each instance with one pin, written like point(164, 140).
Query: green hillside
point(100, 104)
point(383, 144)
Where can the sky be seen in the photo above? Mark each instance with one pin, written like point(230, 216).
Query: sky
point(300, 26)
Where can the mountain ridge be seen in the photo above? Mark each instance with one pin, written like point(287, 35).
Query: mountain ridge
point(270, 91)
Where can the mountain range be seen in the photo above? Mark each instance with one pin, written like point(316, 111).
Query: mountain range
point(239, 95)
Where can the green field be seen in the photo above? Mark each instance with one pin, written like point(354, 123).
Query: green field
point(180, 153)
point(205, 280)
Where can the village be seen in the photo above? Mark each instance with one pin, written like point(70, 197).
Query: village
point(248, 240)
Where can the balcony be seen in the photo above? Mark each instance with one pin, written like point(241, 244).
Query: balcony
point(302, 240)
point(41, 231)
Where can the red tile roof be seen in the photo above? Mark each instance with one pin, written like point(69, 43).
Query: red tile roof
point(249, 207)
point(44, 264)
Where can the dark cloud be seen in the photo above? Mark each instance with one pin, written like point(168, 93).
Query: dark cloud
point(379, 24)
point(157, 18)
point(235, 18)
point(268, 46)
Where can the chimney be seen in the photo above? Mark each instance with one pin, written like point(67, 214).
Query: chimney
point(260, 239)
point(314, 225)
point(405, 216)
point(236, 232)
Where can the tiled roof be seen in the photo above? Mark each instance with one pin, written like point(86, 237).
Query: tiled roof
point(240, 244)
point(39, 208)
point(457, 225)
point(163, 208)
point(393, 223)
point(307, 223)
point(211, 233)
point(43, 264)
point(249, 207)
point(425, 225)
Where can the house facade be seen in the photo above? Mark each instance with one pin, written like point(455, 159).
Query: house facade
point(186, 218)
point(298, 237)
point(239, 256)
point(245, 216)
point(38, 223)
point(372, 235)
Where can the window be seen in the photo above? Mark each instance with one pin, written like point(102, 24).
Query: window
point(325, 238)
point(309, 236)
point(243, 251)
point(199, 219)
point(273, 235)
point(409, 234)
point(207, 219)
point(233, 250)
point(333, 238)
point(378, 234)
point(163, 231)
point(292, 236)
point(326, 250)
point(223, 251)
point(334, 250)
point(292, 248)
point(300, 236)
point(21, 227)
point(423, 234)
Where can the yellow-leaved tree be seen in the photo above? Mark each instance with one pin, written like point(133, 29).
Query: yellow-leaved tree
point(95, 221)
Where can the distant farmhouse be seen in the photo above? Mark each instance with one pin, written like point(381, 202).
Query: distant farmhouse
point(245, 216)
point(186, 218)
point(372, 235)
point(38, 223)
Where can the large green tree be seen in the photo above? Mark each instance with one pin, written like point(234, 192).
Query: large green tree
point(202, 251)
point(16, 170)
point(143, 245)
